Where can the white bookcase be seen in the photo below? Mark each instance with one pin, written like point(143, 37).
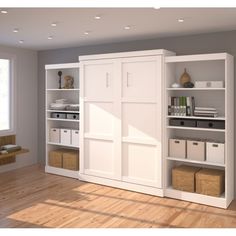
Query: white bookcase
point(205, 67)
point(52, 93)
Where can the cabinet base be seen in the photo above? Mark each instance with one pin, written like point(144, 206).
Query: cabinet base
point(122, 185)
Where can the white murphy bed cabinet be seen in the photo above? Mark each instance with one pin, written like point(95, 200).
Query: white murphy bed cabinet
point(121, 120)
point(124, 126)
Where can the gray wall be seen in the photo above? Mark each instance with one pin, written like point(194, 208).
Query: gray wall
point(205, 43)
point(26, 105)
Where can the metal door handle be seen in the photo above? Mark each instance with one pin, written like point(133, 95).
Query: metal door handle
point(107, 79)
point(127, 79)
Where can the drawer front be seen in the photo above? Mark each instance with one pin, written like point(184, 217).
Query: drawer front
point(75, 138)
point(58, 115)
point(66, 136)
point(211, 124)
point(177, 148)
point(72, 116)
point(196, 150)
point(54, 135)
point(183, 122)
point(215, 152)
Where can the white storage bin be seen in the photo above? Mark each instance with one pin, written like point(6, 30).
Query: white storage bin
point(66, 136)
point(75, 138)
point(215, 152)
point(196, 150)
point(54, 135)
point(177, 148)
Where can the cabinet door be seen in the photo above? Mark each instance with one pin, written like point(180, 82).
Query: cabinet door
point(141, 164)
point(98, 79)
point(99, 158)
point(139, 77)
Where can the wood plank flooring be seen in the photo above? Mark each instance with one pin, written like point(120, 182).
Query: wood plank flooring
point(31, 198)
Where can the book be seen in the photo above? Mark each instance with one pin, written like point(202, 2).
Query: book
point(169, 106)
point(205, 108)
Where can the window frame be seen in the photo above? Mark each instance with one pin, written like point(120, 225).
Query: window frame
point(12, 84)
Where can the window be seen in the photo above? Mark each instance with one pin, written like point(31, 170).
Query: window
point(6, 95)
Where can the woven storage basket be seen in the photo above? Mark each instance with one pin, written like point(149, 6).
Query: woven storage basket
point(183, 178)
point(55, 158)
point(210, 182)
point(71, 160)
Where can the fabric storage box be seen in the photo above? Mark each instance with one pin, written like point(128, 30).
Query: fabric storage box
point(209, 84)
point(72, 116)
point(66, 136)
point(71, 160)
point(183, 178)
point(55, 158)
point(182, 122)
point(58, 115)
point(54, 135)
point(215, 152)
point(210, 182)
point(195, 150)
point(75, 138)
point(177, 148)
point(211, 124)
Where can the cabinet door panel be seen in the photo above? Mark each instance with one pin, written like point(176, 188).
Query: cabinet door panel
point(98, 80)
point(99, 158)
point(141, 121)
point(99, 118)
point(141, 164)
point(140, 78)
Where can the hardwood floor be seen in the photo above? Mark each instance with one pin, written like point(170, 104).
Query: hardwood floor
point(31, 198)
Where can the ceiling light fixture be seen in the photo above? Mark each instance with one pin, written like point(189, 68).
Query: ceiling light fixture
point(15, 30)
point(21, 41)
point(50, 37)
point(97, 17)
point(127, 27)
point(4, 11)
point(86, 32)
point(181, 20)
point(54, 24)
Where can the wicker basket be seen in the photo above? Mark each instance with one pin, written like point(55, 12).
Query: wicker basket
point(71, 160)
point(55, 158)
point(183, 178)
point(210, 182)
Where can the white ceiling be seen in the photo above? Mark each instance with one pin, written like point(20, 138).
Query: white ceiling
point(35, 25)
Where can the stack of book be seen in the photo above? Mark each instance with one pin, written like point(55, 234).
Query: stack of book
point(205, 112)
point(181, 106)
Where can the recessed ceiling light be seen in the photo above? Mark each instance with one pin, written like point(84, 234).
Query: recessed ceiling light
point(86, 32)
point(21, 41)
point(156, 8)
point(181, 20)
point(50, 37)
point(54, 24)
point(4, 11)
point(97, 17)
point(127, 27)
point(15, 30)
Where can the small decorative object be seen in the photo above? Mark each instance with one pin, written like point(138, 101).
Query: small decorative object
point(185, 77)
point(68, 82)
point(59, 74)
point(176, 85)
point(188, 85)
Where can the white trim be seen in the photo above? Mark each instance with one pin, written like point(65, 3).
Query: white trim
point(196, 57)
point(123, 185)
point(126, 54)
point(63, 172)
point(62, 66)
point(12, 95)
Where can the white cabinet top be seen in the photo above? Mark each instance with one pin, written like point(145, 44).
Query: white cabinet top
point(127, 54)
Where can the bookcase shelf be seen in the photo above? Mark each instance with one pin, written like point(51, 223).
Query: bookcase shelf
point(205, 67)
point(197, 117)
point(194, 162)
point(52, 94)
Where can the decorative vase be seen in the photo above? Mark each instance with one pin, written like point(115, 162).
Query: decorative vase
point(185, 77)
